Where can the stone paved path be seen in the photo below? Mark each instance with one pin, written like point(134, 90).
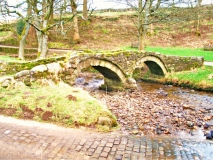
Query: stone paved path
point(20, 139)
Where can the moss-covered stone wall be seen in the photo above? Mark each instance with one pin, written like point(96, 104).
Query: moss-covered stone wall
point(8, 68)
point(115, 65)
point(128, 61)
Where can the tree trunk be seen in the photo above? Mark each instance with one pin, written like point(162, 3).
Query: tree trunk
point(44, 42)
point(198, 15)
point(146, 16)
point(22, 41)
point(76, 36)
point(44, 46)
point(40, 43)
point(151, 30)
point(24, 33)
point(140, 26)
point(141, 42)
point(85, 10)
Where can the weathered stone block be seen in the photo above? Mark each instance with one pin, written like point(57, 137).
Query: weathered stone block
point(22, 73)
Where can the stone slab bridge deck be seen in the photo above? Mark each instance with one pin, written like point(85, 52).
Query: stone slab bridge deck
point(118, 66)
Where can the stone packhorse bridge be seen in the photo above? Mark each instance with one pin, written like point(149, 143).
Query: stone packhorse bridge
point(118, 66)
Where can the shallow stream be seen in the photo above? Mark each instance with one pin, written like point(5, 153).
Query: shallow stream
point(198, 100)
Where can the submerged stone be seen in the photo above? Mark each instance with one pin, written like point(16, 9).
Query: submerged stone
point(208, 136)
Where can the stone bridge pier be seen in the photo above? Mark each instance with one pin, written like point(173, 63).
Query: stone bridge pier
point(118, 66)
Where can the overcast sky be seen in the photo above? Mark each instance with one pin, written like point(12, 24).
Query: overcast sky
point(104, 4)
point(101, 4)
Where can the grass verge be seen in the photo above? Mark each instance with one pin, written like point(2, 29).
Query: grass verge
point(59, 104)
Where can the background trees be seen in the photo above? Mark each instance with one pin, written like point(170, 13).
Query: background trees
point(38, 14)
point(44, 15)
point(154, 11)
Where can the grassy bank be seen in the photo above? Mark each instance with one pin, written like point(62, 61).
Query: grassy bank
point(59, 104)
point(199, 79)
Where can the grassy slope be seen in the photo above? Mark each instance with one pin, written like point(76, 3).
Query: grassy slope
point(69, 106)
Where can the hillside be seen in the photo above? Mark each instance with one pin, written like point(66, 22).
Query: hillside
point(117, 30)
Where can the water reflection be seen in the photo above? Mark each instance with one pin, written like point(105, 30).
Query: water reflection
point(198, 99)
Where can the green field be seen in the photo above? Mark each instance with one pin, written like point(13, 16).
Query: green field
point(208, 55)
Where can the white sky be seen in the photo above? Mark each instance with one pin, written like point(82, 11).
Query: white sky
point(103, 4)
point(98, 4)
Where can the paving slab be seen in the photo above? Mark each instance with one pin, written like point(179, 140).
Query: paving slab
point(24, 139)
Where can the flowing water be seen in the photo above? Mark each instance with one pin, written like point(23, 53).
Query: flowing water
point(197, 99)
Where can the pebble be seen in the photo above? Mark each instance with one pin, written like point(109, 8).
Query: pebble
point(206, 126)
point(208, 136)
point(135, 131)
point(147, 111)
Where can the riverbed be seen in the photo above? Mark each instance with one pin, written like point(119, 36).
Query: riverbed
point(156, 109)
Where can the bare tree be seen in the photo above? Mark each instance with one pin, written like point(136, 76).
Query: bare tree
point(152, 11)
point(23, 36)
point(13, 11)
point(198, 14)
point(145, 9)
point(38, 15)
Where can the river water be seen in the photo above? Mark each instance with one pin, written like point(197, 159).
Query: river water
point(196, 100)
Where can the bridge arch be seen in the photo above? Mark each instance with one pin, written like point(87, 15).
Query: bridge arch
point(106, 68)
point(155, 65)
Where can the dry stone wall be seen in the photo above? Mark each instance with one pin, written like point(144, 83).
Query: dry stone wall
point(8, 68)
